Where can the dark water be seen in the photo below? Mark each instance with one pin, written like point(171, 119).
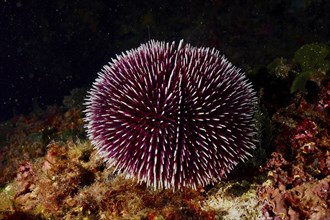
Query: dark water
point(51, 47)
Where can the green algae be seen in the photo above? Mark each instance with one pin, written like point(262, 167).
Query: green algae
point(311, 58)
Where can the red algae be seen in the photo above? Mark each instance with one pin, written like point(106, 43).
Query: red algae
point(297, 186)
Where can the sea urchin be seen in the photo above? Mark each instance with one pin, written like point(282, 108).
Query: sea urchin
point(172, 116)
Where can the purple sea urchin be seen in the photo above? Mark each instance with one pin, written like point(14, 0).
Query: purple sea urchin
point(172, 116)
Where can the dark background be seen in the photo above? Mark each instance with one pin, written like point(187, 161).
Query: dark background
point(49, 48)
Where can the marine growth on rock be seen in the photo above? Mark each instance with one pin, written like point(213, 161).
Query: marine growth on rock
point(172, 115)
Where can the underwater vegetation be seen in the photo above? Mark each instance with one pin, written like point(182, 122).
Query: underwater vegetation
point(313, 60)
point(50, 170)
point(297, 183)
point(309, 63)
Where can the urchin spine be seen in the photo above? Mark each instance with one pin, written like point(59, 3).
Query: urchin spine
point(171, 117)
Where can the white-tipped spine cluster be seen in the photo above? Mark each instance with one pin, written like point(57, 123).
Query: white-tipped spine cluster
point(172, 117)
